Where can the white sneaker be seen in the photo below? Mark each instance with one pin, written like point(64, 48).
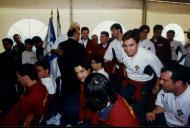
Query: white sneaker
point(54, 120)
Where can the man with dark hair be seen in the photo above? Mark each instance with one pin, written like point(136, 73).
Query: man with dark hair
point(113, 57)
point(82, 70)
point(97, 64)
point(95, 38)
point(37, 41)
point(7, 43)
point(117, 33)
point(28, 56)
point(176, 47)
point(142, 67)
point(173, 98)
point(8, 94)
point(18, 49)
point(162, 46)
point(43, 70)
point(89, 45)
point(104, 43)
point(144, 42)
point(111, 109)
point(33, 103)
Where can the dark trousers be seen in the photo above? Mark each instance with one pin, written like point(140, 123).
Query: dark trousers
point(160, 121)
point(70, 109)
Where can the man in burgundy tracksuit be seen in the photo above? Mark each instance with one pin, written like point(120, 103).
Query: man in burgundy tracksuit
point(89, 45)
point(103, 46)
point(32, 103)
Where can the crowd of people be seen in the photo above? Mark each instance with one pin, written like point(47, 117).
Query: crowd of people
point(126, 80)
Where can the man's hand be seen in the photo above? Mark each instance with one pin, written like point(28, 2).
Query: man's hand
point(58, 52)
point(150, 116)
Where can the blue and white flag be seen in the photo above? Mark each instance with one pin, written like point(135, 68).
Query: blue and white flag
point(49, 41)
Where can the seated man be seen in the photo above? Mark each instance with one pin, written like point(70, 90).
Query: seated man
point(173, 99)
point(111, 109)
point(33, 103)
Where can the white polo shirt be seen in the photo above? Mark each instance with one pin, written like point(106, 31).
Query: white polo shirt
point(147, 44)
point(28, 57)
point(50, 84)
point(177, 108)
point(135, 66)
point(175, 46)
point(117, 46)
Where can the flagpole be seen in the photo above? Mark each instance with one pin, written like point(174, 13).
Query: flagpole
point(51, 13)
point(58, 24)
point(71, 11)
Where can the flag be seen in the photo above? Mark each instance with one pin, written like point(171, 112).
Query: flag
point(50, 36)
point(49, 41)
point(58, 25)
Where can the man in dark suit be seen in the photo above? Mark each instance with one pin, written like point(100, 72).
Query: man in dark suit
point(8, 94)
point(68, 52)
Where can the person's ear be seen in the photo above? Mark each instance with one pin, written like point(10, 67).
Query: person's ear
point(178, 83)
point(47, 71)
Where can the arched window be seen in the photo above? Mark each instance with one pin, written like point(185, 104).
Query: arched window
point(28, 28)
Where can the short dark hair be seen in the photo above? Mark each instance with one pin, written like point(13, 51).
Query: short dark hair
point(143, 27)
point(157, 27)
point(36, 39)
point(171, 31)
point(71, 32)
point(10, 41)
point(117, 27)
point(84, 29)
point(179, 72)
point(134, 34)
point(43, 63)
point(29, 70)
point(98, 59)
point(98, 91)
point(16, 35)
point(28, 41)
point(105, 33)
point(82, 63)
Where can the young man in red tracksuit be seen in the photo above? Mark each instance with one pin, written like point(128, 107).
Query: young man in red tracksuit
point(32, 105)
point(82, 70)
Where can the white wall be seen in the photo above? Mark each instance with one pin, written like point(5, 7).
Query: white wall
point(90, 13)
